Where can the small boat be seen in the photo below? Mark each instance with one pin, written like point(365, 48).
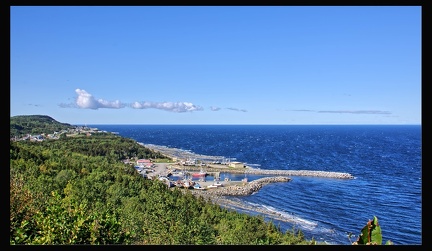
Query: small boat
point(187, 184)
point(168, 182)
point(163, 178)
point(201, 173)
point(176, 173)
point(217, 184)
point(197, 186)
point(178, 183)
point(212, 186)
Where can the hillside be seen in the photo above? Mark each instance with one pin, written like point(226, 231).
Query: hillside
point(35, 124)
point(78, 190)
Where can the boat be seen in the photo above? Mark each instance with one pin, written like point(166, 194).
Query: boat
point(179, 183)
point(176, 173)
point(197, 186)
point(199, 174)
point(212, 186)
point(188, 184)
point(217, 184)
point(168, 182)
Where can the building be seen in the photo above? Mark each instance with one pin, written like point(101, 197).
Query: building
point(236, 164)
point(144, 163)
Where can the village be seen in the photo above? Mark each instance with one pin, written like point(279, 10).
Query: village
point(189, 173)
point(72, 132)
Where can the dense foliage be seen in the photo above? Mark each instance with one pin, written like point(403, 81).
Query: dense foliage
point(77, 191)
point(35, 124)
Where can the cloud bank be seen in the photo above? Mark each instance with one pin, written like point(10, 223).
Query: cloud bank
point(85, 100)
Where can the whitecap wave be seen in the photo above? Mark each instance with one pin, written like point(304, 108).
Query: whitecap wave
point(252, 165)
point(290, 217)
point(253, 204)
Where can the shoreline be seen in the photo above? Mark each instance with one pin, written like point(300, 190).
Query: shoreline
point(218, 196)
point(235, 205)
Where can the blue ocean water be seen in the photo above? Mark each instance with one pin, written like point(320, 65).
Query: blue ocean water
point(385, 159)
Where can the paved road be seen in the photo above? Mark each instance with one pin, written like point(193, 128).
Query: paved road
point(160, 168)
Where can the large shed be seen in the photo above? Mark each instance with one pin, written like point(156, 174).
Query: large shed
point(236, 164)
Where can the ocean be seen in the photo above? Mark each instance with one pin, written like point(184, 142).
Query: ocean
point(386, 161)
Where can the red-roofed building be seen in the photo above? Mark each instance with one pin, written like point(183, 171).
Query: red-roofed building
point(144, 163)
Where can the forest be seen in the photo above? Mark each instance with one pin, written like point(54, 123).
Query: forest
point(35, 124)
point(77, 190)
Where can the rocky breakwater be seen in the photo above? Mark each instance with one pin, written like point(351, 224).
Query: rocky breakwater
point(324, 174)
point(246, 188)
point(310, 173)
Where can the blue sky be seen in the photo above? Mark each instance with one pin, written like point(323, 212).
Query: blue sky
point(217, 64)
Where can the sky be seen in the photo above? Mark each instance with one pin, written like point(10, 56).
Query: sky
point(285, 65)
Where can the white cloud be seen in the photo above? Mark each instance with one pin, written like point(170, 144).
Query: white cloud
point(236, 109)
point(86, 101)
point(168, 106)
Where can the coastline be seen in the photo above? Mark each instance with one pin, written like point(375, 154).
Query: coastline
point(232, 204)
point(219, 195)
point(226, 195)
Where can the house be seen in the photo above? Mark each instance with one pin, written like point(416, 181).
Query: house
point(144, 163)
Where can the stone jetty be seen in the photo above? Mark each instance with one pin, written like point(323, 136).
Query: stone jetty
point(310, 173)
point(244, 189)
point(324, 174)
point(176, 153)
point(249, 170)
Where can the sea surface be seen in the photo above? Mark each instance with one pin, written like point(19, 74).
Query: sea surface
point(386, 161)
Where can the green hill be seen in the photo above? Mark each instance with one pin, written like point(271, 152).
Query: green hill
point(78, 190)
point(35, 124)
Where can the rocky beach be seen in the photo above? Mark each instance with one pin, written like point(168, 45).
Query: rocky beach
point(218, 195)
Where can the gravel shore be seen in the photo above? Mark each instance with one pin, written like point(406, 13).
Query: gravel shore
point(218, 196)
